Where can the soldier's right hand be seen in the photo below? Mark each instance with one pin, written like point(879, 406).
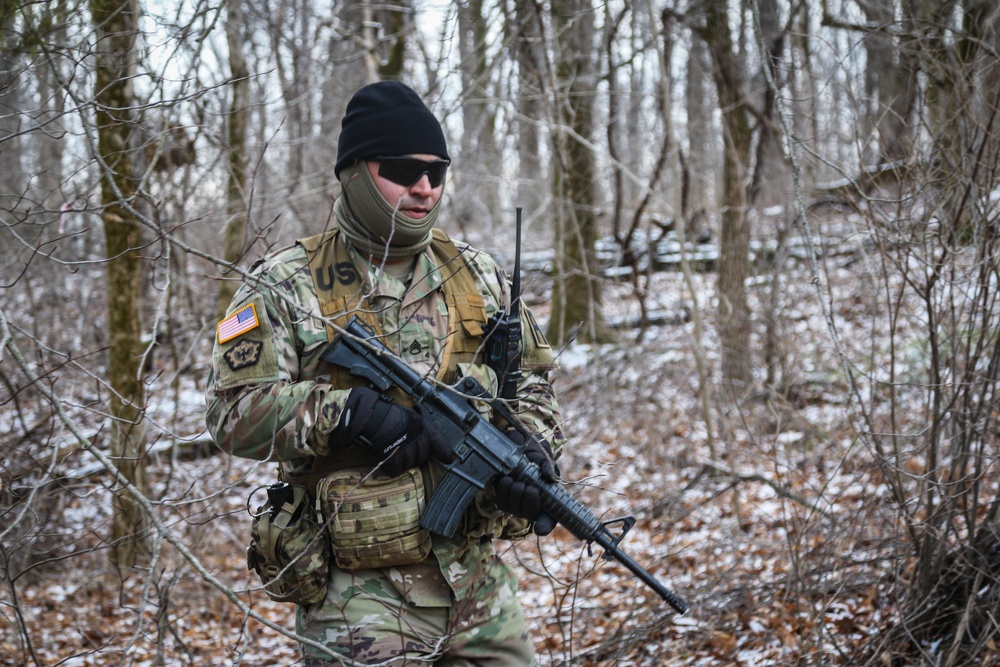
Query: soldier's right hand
point(393, 434)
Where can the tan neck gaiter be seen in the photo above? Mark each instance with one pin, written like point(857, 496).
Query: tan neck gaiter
point(374, 226)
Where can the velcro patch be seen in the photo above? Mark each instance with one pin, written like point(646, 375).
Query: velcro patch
point(244, 354)
point(237, 324)
point(535, 330)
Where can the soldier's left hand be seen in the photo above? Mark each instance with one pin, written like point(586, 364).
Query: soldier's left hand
point(522, 499)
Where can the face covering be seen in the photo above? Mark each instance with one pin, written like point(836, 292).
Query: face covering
point(373, 225)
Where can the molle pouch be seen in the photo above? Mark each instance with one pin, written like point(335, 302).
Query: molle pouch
point(288, 549)
point(374, 520)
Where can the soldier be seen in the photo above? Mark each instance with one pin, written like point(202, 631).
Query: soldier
point(387, 591)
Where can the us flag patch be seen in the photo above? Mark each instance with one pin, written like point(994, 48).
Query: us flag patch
point(240, 322)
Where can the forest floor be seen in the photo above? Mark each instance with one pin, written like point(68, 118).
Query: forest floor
point(771, 522)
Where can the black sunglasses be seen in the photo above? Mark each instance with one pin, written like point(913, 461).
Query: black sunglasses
point(407, 170)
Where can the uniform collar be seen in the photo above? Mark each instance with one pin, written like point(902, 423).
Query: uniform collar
point(426, 278)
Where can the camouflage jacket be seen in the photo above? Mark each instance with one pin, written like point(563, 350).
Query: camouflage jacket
point(270, 398)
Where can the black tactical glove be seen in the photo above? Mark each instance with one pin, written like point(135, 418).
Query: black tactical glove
point(525, 500)
point(397, 436)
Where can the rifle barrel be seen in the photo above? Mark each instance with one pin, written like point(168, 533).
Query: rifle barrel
point(669, 596)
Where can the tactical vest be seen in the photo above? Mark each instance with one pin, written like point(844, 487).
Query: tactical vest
point(328, 254)
point(341, 300)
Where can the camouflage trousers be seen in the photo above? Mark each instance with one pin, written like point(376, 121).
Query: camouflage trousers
point(367, 622)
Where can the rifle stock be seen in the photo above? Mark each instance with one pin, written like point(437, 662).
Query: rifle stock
point(482, 452)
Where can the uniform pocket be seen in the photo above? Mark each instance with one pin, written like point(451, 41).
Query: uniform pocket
point(469, 311)
point(374, 520)
point(288, 548)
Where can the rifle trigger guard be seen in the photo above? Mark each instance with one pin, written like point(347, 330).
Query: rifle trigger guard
point(626, 523)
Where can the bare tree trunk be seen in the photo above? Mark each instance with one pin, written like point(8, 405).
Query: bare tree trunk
point(576, 291)
point(292, 26)
point(476, 201)
point(952, 66)
point(701, 160)
point(52, 142)
point(11, 103)
point(733, 320)
point(990, 81)
point(237, 195)
point(345, 75)
point(771, 183)
point(530, 58)
point(614, 128)
point(889, 83)
point(803, 105)
point(116, 24)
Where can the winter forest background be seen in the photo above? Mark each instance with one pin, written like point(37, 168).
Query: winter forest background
point(762, 234)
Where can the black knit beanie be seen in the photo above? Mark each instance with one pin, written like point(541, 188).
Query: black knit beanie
point(388, 119)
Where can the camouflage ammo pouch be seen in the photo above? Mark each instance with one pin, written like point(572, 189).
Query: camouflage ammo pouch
point(374, 520)
point(288, 549)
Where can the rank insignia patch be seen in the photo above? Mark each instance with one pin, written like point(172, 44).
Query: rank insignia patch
point(244, 354)
point(240, 322)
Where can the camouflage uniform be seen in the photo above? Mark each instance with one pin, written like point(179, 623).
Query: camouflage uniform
point(270, 398)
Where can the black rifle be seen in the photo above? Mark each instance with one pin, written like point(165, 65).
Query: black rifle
point(503, 347)
point(482, 452)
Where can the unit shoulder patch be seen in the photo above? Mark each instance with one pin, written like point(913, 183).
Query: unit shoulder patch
point(244, 354)
point(249, 356)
